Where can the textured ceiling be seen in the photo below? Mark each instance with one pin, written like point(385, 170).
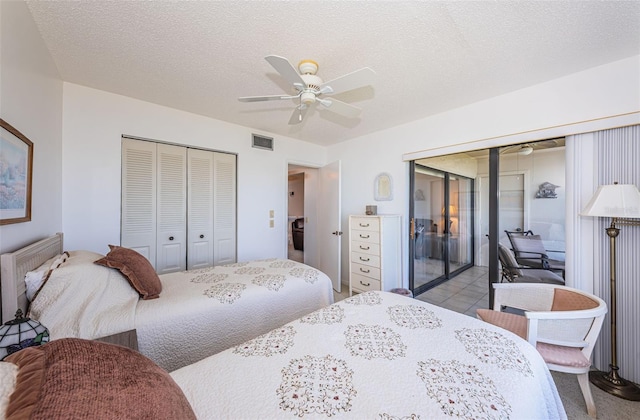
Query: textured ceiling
point(428, 56)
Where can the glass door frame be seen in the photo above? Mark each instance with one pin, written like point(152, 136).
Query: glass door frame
point(448, 274)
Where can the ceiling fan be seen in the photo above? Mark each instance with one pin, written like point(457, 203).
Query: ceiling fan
point(310, 89)
point(525, 149)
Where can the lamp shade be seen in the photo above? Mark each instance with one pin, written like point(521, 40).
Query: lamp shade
point(20, 333)
point(615, 200)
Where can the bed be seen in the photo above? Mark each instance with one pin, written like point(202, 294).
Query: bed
point(198, 313)
point(376, 355)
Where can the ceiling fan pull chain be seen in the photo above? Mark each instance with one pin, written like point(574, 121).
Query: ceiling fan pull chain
point(300, 109)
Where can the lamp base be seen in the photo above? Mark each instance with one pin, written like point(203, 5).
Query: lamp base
point(615, 385)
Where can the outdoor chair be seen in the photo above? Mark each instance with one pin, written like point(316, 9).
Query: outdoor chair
point(529, 251)
point(512, 272)
point(562, 323)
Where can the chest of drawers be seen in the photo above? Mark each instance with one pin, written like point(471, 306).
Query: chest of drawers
point(375, 251)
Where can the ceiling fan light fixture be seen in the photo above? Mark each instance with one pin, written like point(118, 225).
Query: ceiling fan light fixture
point(525, 150)
point(308, 67)
point(307, 98)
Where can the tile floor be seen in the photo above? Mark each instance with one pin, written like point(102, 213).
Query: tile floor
point(464, 293)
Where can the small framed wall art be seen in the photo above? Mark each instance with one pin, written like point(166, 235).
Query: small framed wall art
point(383, 187)
point(16, 168)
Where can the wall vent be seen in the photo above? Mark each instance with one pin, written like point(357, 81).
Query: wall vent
point(261, 142)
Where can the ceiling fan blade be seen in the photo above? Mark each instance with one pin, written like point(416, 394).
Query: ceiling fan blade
point(354, 80)
point(265, 98)
point(340, 107)
point(286, 70)
point(298, 114)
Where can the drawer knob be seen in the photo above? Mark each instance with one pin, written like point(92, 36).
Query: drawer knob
point(171, 238)
point(364, 236)
point(364, 224)
point(366, 248)
point(365, 284)
point(363, 270)
point(364, 259)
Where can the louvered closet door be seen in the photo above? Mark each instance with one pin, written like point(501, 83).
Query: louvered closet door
point(200, 209)
point(138, 216)
point(224, 212)
point(172, 209)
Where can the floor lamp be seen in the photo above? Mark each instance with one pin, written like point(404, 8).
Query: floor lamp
point(621, 202)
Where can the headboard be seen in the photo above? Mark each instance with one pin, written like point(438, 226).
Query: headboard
point(14, 266)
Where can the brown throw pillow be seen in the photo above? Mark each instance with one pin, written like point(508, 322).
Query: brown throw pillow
point(136, 268)
point(71, 378)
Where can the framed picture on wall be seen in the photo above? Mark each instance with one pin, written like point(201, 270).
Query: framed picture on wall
point(16, 168)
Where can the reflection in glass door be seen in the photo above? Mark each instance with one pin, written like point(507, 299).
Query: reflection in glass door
point(428, 200)
point(441, 226)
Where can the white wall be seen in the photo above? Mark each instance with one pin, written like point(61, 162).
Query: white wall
point(296, 194)
point(93, 123)
point(562, 106)
point(31, 101)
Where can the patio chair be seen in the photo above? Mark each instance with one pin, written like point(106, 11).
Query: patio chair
point(529, 251)
point(562, 323)
point(512, 272)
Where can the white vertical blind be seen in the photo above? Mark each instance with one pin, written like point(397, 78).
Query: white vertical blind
point(618, 153)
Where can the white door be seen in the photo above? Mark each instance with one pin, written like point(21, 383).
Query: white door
point(138, 228)
point(172, 209)
point(512, 213)
point(200, 208)
point(224, 208)
point(329, 223)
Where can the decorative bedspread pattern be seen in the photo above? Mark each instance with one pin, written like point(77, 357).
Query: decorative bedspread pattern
point(198, 313)
point(203, 312)
point(376, 355)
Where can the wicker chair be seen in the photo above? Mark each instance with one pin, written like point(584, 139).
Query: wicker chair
point(561, 322)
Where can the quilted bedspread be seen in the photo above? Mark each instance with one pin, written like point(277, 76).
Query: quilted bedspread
point(202, 312)
point(376, 355)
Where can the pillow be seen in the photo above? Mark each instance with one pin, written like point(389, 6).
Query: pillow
point(75, 378)
point(136, 268)
point(35, 279)
point(86, 300)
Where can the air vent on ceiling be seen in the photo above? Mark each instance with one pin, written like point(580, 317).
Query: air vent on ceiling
point(261, 142)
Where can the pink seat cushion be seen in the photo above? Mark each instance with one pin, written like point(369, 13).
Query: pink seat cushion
point(561, 355)
point(517, 324)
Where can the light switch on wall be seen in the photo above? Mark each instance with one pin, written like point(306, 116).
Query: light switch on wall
point(271, 213)
point(271, 223)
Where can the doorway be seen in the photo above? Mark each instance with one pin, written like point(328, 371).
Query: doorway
point(321, 228)
point(295, 216)
point(518, 187)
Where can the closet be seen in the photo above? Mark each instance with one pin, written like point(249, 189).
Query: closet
point(178, 205)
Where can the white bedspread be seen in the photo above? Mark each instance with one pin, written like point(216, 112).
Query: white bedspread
point(85, 300)
point(198, 313)
point(203, 312)
point(376, 355)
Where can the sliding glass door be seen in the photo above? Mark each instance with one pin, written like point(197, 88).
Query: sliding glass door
point(441, 214)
